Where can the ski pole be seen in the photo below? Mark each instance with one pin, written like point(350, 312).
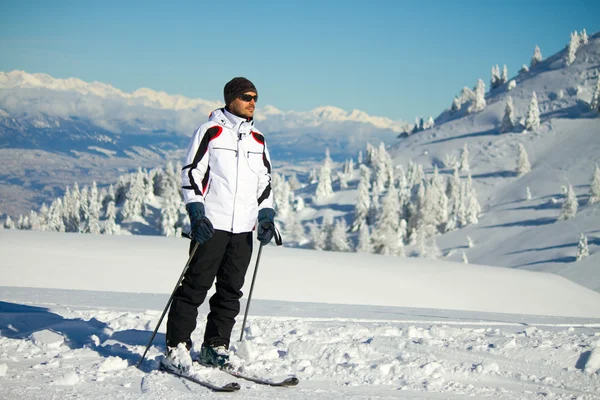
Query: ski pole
point(187, 265)
point(251, 289)
point(278, 242)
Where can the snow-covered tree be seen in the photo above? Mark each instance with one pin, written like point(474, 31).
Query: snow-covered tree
point(527, 194)
point(595, 103)
point(464, 159)
point(495, 80)
point(524, 69)
point(282, 195)
point(583, 37)
point(294, 182)
point(523, 166)
point(134, 197)
point(339, 237)
point(294, 231)
point(508, 121)
point(595, 186)
point(456, 105)
point(473, 208)
point(364, 240)
point(532, 121)
point(479, 101)
point(537, 56)
point(569, 207)
point(465, 260)
point(470, 242)
point(363, 201)
point(582, 248)
point(324, 187)
point(110, 225)
point(572, 48)
point(430, 123)
point(9, 224)
point(504, 77)
point(512, 84)
point(385, 236)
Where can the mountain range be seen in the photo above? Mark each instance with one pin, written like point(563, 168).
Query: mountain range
point(55, 131)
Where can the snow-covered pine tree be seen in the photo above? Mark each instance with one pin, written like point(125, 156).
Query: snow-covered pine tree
point(504, 77)
point(478, 103)
point(495, 80)
point(569, 207)
point(524, 69)
point(324, 187)
point(110, 225)
point(383, 166)
point(595, 102)
point(583, 37)
point(465, 260)
point(364, 240)
point(508, 121)
point(527, 194)
point(582, 248)
point(169, 217)
point(595, 186)
point(473, 208)
point(572, 48)
point(523, 166)
point(56, 216)
point(533, 114)
point(316, 236)
point(9, 224)
point(326, 231)
point(456, 105)
point(94, 209)
point(385, 236)
point(363, 201)
point(464, 159)
point(282, 195)
point(134, 198)
point(294, 231)
point(339, 237)
point(430, 123)
point(294, 182)
point(537, 57)
point(438, 193)
point(470, 242)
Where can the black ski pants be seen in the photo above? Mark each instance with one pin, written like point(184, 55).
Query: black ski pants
point(225, 256)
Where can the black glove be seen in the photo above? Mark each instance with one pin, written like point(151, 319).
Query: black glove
point(202, 228)
point(266, 225)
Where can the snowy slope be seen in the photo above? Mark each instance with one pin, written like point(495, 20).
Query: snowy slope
point(313, 316)
point(515, 232)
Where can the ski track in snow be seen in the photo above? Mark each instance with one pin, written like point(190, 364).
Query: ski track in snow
point(63, 351)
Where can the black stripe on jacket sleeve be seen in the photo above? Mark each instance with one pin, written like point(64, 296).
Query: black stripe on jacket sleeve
point(212, 133)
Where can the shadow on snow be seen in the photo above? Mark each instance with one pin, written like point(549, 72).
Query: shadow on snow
point(20, 321)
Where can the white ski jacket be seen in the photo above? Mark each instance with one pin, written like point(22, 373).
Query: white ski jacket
point(228, 168)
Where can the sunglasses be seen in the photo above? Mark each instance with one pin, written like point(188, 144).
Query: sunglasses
point(248, 98)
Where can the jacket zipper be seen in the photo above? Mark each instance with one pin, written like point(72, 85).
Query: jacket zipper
point(237, 176)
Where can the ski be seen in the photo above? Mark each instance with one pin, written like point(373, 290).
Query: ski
point(291, 381)
point(229, 387)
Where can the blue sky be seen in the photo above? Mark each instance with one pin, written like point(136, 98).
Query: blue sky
point(398, 59)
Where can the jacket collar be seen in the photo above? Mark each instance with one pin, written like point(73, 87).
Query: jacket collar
point(241, 126)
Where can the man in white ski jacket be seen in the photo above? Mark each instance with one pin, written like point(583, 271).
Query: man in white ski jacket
point(226, 183)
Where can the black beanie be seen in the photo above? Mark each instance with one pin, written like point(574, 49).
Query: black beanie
point(236, 87)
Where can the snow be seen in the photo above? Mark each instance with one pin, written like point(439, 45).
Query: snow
point(76, 312)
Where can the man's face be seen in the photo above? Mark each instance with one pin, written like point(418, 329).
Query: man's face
point(243, 108)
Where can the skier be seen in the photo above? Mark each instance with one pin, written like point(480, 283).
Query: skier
point(226, 184)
